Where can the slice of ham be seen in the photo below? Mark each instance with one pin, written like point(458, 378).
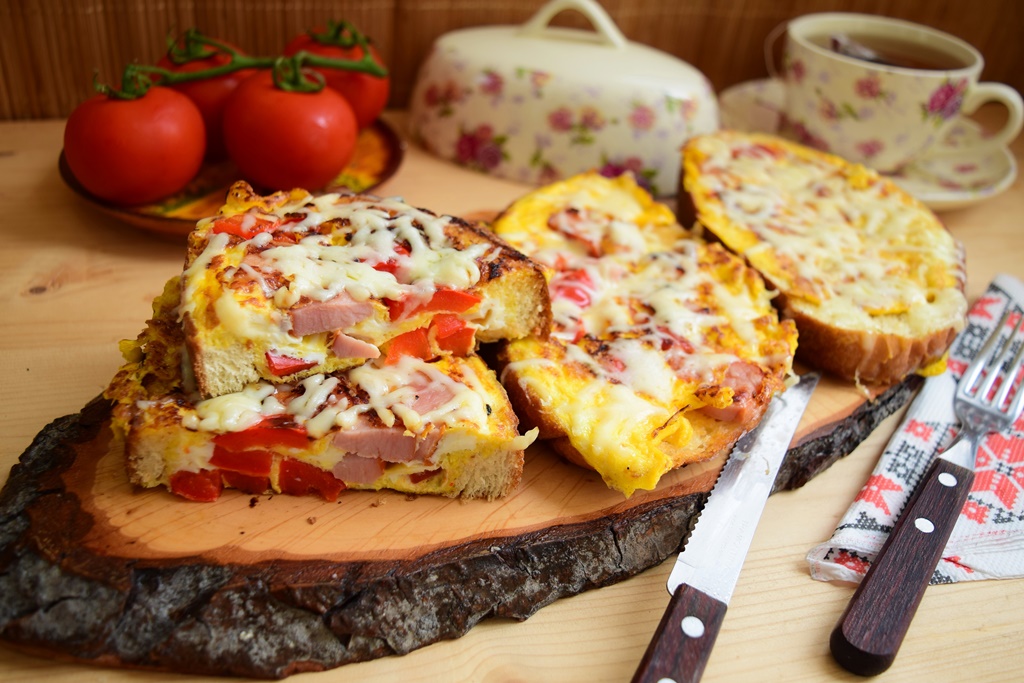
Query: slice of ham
point(390, 444)
point(746, 380)
point(345, 346)
point(429, 395)
point(355, 469)
point(338, 313)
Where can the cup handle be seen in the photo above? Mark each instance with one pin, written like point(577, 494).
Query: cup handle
point(769, 49)
point(983, 93)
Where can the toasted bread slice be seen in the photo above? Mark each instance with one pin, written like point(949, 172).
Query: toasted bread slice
point(872, 278)
point(291, 285)
point(444, 427)
point(663, 350)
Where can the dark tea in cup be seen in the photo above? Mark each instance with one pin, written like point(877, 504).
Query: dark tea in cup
point(890, 51)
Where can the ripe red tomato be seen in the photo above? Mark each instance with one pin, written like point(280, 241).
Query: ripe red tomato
point(209, 94)
point(367, 94)
point(135, 151)
point(281, 140)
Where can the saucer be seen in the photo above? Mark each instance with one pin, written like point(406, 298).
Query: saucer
point(378, 154)
point(958, 175)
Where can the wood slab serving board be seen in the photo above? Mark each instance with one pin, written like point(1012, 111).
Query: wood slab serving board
point(95, 570)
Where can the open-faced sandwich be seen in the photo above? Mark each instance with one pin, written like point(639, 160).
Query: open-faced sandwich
point(203, 400)
point(291, 285)
point(664, 350)
point(871, 277)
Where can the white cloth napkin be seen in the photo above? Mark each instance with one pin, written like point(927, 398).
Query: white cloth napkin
point(988, 539)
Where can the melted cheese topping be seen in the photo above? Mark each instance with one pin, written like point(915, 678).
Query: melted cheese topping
point(829, 234)
point(312, 249)
point(642, 335)
point(322, 404)
point(589, 214)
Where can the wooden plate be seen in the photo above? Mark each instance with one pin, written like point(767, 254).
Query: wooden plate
point(98, 571)
point(379, 153)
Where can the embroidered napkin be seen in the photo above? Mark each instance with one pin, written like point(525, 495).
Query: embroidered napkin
point(988, 539)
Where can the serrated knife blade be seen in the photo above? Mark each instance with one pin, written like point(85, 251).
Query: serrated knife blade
point(705, 573)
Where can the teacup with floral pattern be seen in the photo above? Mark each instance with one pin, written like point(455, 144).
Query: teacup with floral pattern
point(883, 113)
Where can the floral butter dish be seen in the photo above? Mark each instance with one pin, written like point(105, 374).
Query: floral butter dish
point(536, 103)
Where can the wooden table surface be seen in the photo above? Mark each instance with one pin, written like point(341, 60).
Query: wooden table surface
point(73, 282)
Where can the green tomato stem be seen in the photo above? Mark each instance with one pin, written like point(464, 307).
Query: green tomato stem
point(290, 73)
point(339, 34)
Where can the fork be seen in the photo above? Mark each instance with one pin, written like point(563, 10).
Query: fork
point(989, 398)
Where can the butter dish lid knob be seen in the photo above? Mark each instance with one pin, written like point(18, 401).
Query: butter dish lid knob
point(607, 32)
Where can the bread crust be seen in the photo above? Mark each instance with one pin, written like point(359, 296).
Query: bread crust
point(863, 356)
point(154, 414)
point(711, 437)
point(876, 354)
point(664, 349)
point(225, 357)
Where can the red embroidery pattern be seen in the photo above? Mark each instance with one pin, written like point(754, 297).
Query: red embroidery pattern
point(994, 511)
point(957, 367)
point(981, 306)
point(873, 490)
point(919, 429)
point(975, 512)
point(998, 470)
point(852, 562)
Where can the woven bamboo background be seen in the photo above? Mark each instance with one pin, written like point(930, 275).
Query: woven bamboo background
point(51, 49)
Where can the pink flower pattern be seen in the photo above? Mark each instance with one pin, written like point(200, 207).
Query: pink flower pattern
point(797, 70)
point(480, 149)
point(870, 88)
point(492, 83)
point(487, 144)
point(870, 148)
point(582, 127)
point(561, 119)
point(635, 165)
point(442, 97)
point(945, 102)
point(642, 118)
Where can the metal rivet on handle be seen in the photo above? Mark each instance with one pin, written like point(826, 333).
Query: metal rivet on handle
point(947, 479)
point(924, 525)
point(692, 627)
point(666, 680)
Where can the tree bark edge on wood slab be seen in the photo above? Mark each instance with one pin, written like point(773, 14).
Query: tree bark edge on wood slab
point(274, 619)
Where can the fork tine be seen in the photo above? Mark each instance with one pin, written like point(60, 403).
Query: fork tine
point(1009, 380)
point(1000, 363)
point(1017, 408)
point(982, 361)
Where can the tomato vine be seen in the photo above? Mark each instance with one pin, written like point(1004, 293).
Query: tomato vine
point(292, 73)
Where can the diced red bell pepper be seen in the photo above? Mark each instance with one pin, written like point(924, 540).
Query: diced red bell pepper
point(458, 344)
point(297, 478)
point(451, 301)
point(447, 324)
point(413, 343)
point(282, 366)
point(573, 285)
point(246, 483)
point(261, 437)
point(244, 225)
point(254, 463)
point(391, 265)
point(444, 300)
point(203, 486)
point(453, 334)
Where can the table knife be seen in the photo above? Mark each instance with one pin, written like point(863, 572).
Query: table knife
point(705, 573)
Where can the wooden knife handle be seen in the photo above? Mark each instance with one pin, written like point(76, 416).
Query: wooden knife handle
point(683, 640)
point(871, 630)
